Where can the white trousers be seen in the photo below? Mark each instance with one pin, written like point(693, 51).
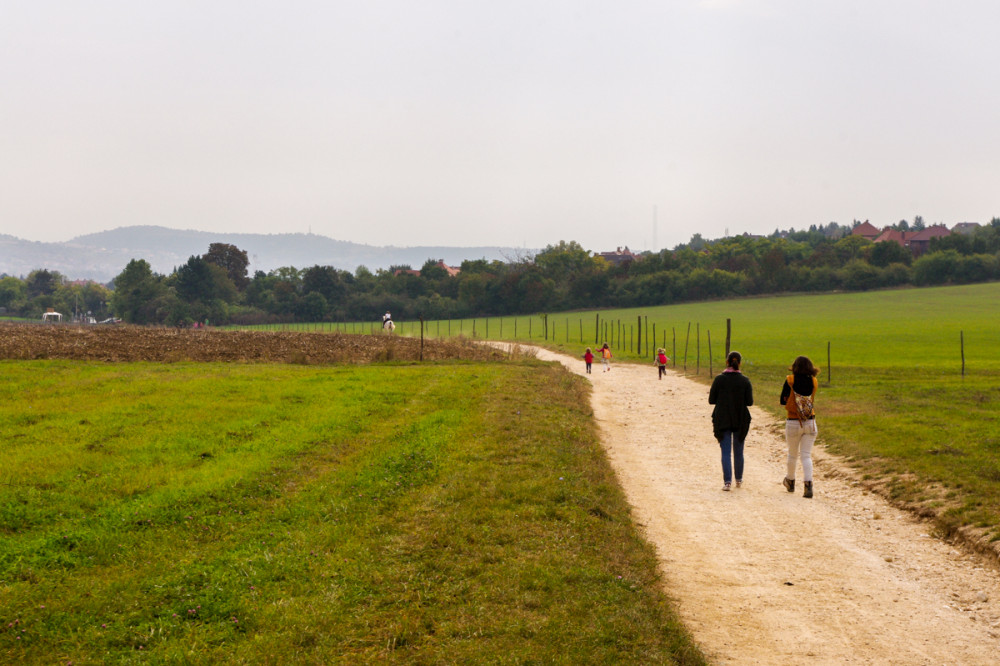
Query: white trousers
point(800, 439)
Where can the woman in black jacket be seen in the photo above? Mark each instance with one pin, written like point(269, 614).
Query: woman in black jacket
point(731, 393)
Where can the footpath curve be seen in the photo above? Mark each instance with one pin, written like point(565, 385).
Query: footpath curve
point(763, 576)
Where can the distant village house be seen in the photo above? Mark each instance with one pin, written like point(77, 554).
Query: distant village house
point(619, 256)
point(918, 242)
point(866, 230)
point(450, 270)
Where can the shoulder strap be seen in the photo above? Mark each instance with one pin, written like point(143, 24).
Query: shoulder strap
point(791, 398)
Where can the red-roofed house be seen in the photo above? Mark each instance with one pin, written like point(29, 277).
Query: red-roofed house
point(450, 270)
point(921, 241)
point(866, 230)
point(890, 234)
point(619, 256)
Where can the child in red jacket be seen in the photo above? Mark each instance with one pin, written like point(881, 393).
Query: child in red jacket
point(588, 357)
point(661, 361)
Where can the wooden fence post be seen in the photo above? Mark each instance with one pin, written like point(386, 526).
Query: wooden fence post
point(961, 340)
point(829, 369)
point(645, 320)
point(638, 328)
point(709, 335)
point(729, 333)
point(421, 338)
point(687, 339)
point(697, 339)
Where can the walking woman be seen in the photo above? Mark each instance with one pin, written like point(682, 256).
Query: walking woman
point(732, 394)
point(800, 428)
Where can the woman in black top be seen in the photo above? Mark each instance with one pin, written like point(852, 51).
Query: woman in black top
point(731, 393)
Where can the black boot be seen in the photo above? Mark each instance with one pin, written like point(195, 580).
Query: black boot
point(789, 484)
point(807, 489)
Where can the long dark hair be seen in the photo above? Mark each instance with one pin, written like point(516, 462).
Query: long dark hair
point(803, 366)
point(734, 359)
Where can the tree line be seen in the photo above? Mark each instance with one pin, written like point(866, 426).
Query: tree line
point(217, 288)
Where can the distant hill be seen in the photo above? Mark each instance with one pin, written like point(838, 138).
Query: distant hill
point(101, 256)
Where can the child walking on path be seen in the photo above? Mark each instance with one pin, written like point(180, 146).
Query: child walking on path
point(661, 361)
point(588, 357)
point(606, 357)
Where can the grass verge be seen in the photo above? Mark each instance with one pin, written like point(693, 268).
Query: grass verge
point(209, 513)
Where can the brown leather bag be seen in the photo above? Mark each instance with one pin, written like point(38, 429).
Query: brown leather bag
point(803, 403)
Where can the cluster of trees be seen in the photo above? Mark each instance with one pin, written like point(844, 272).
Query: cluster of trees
point(208, 288)
point(44, 289)
point(819, 259)
point(216, 286)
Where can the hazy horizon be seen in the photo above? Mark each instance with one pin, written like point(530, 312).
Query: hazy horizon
point(516, 125)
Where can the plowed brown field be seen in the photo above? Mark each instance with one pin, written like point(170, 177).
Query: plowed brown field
point(121, 343)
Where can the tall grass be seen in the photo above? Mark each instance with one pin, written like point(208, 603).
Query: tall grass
point(458, 513)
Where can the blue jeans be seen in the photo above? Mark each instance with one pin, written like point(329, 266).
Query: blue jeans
point(731, 445)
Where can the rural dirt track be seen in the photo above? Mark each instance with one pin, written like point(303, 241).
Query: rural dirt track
point(763, 576)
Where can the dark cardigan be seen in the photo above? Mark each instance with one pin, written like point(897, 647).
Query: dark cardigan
point(731, 393)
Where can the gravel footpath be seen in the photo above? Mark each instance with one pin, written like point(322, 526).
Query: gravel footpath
point(763, 576)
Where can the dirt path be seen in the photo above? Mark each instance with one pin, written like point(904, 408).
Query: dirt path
point(763, 576)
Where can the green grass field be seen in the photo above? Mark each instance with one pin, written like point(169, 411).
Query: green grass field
point(916, 329)
point(893, 396)
point(275, 514)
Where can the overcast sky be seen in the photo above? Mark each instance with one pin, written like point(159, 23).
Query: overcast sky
point(463, 123)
